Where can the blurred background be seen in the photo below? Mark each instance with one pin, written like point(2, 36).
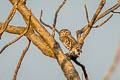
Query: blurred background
point(98, 51)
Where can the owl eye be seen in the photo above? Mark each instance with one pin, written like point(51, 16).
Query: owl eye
point(67, 33)
point(79, 50)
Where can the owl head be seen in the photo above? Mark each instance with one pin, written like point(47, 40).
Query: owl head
point(64, 32)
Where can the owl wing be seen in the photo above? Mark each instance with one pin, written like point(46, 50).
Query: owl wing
point(68, 42)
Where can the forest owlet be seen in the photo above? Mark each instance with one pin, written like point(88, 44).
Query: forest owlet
point(69, 42)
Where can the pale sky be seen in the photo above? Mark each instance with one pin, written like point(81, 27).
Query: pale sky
point(98, 51)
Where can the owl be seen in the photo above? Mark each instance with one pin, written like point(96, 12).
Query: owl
point(70, 43)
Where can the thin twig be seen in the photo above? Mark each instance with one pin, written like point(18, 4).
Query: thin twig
point(12, 13)
point(103, 22)
point(101, 5)
point(20, 60)
point(115, 12)
point(82, 66)
point(17, 38)
point(55, 18)
point(85, 29)
point(45, 23)
point(113, 65)
point(107, 11)
point(103, 15)
point(86, 11)
point(91, 23)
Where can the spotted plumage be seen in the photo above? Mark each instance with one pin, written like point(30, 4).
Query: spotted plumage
point(69, 42)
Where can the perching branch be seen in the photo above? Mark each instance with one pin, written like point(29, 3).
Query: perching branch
point(65, 63)
point(20, 60)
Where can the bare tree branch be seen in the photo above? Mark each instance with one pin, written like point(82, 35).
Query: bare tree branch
point(38, 27)
point(45, 23)
point(17, 38)
point(103, 15)
point(115, 12)
point(9, 18)
point(20, 60)
point(101, 5)
point(87, 28)
point(103, 22)
point(68, 68)
point(113, 65)
point(36, 40)
point(65, 63)
point(82, 66)
point(86, 11)
point(55, 18)
point(13, 29)
point(107, 11)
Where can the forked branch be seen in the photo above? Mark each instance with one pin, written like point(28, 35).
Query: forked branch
point(55, 19)
point(87, 28)
point(41, 14)
point(103, 22)
point(17, 38)
point(116, 6)
point(101, 5)
point(9, 18)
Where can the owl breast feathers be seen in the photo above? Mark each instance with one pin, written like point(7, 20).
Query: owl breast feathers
point(69, 42)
